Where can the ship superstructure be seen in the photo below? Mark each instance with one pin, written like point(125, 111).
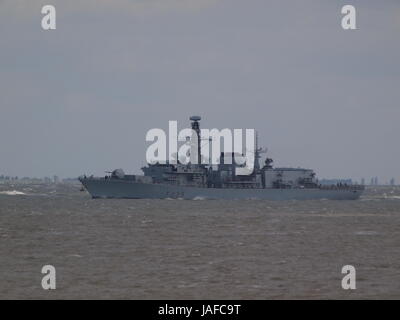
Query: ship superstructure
point(225, 176)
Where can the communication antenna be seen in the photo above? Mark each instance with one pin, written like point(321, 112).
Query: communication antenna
point(257, 154)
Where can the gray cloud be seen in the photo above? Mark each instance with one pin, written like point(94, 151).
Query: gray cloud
point(81, 98)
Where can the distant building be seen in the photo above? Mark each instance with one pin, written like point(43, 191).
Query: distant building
point(47, 180)
point(374, 181)
point(70, 180)
point(327, 182)
point(56, 179)
point(392, 182)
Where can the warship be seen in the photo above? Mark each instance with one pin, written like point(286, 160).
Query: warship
point(201, 181)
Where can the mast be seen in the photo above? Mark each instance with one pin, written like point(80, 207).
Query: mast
point(196, 127)
point(257, 155)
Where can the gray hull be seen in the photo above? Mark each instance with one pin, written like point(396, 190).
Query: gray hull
point(122, 189)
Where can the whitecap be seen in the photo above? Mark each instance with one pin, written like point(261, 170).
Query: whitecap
point(393, 197)
point(366, 233)
point(12, 193)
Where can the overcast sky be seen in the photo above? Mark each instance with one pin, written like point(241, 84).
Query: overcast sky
point(80, 99)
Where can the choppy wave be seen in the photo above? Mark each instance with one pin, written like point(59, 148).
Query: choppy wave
point(366, 233)
point(12, 193)
point(392, 197)
point(379, 198)
point(213, 239)
point(199, 198)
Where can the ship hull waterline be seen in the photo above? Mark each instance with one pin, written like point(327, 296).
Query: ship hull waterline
point(120, 189)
